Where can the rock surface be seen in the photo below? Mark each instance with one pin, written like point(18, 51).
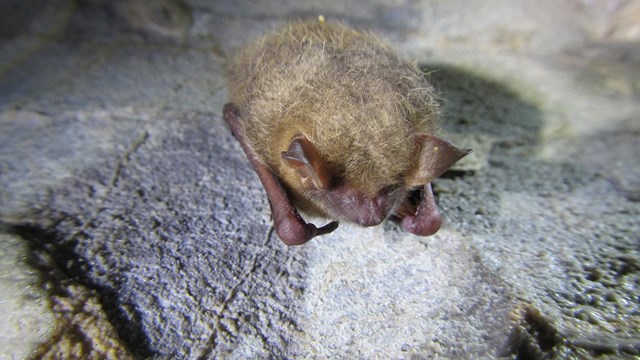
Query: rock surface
point(151, 236)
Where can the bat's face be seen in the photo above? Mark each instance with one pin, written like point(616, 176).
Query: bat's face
point(342, 200)
point(349, 203)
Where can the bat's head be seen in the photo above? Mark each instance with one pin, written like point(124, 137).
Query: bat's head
point(368, 202)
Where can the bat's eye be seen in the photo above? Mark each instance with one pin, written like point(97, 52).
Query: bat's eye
point(389, 189)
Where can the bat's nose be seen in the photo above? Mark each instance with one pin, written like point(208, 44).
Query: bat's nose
point(373, 213)
point(356, 207)
point(369, 219)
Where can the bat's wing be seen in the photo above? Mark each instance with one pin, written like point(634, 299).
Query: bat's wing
point(290, 226)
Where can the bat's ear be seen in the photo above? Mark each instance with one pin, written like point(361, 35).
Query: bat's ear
point(305, 159)
point(435, 156)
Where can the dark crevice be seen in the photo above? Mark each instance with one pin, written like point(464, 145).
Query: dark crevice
point(536, 337)
point(533, 336)
point(59, 265)
point(542, 330)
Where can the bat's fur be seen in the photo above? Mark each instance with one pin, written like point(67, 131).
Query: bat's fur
point(353, 98)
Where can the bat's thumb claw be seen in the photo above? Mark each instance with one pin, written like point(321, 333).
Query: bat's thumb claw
point(327, 228)
point(299, 232)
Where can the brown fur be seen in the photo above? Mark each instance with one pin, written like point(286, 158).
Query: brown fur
point(346, 91)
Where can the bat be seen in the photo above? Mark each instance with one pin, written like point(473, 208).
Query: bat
point(338, 126)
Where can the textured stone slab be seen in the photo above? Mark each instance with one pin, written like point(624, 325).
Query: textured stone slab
point(152, 235)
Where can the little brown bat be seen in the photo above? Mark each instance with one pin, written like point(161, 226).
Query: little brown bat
point(336, 125)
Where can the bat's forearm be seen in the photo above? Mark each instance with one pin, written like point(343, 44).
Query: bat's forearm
point(289, 225)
